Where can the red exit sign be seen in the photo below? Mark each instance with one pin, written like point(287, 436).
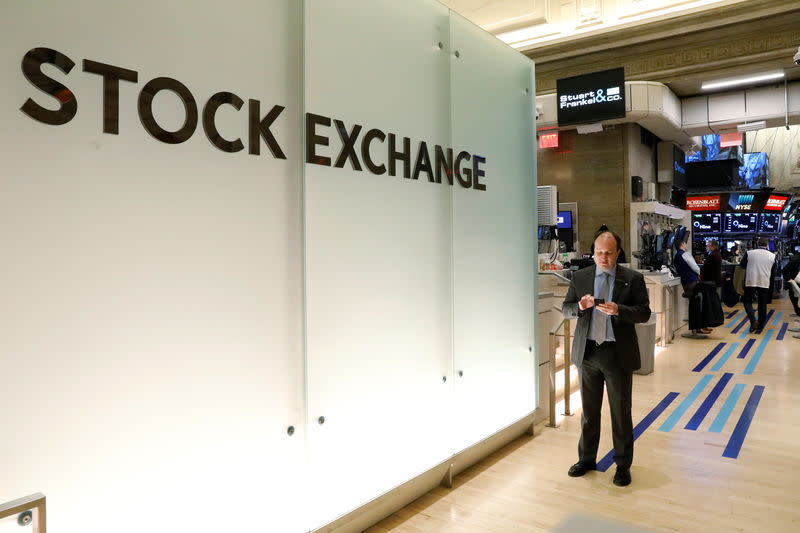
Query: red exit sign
point(548, 140)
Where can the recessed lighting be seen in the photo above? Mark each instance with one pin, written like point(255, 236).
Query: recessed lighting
point(730, 82)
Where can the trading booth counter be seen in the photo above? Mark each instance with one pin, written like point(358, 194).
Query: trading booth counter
point(666, 302)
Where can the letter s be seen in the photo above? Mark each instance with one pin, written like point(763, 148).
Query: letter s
point(32, 68)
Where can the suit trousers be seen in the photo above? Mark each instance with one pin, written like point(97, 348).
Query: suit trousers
point(762, 295)
point(601, 367)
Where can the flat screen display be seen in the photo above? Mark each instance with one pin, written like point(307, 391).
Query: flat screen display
point(754, 172)
point(741, 222)
point(564, 220)
point(707, 222)
point(713, 151)
point(776, 202)
point(591, 97)
point(741, 202)
point(769, 223)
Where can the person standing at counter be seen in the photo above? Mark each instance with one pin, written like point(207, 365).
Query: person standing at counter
point(608, 300)
point(689, 272)
point(759, 265)
point(712, 266)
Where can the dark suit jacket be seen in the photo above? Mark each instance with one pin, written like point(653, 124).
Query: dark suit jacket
point(630, 295)
point(712, 268)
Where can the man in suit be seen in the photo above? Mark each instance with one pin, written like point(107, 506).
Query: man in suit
point(606, 350)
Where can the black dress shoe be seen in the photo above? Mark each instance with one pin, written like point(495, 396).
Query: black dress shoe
point(623, 476)
point(753, 328)
point(579, 469)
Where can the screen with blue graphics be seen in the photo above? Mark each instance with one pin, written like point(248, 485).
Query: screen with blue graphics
point(741, 222)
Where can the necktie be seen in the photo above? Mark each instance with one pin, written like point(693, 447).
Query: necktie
point(600, 318)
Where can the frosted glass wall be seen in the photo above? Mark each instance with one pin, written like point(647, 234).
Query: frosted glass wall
point(284, 264)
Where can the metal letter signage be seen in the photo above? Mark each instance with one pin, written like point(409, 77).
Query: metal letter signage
point(434, 163)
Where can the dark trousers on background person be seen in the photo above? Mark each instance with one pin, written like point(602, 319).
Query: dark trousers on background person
point(762, 295)
point(793, 299)
point(601, 366)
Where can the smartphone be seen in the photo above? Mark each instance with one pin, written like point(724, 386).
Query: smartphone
point(599, 301)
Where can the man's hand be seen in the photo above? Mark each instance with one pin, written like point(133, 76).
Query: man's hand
point(609, 308)
point(586, 302)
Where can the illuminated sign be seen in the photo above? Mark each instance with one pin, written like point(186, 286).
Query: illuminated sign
point(548, 140)
point(775, 203)
point(730, 139)
point(702, 203)
point(591, 98)
point(742, 202)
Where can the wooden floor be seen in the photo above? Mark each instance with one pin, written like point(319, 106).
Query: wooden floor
point(681, 481)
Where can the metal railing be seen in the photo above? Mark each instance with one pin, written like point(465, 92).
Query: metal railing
point(552, 273)
point(565, 323)
point(25, 507)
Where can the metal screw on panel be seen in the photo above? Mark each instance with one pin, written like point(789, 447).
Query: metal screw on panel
point(290, 431)
point(441, 46)
point(530, 349)
point(460, 373)
point(321, 420)
point(458, 54)
point(25, 518)
point(444, 379)
point(527, 90)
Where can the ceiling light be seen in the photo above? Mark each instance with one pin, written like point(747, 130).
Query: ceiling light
point(730, 82)
point(752, 126)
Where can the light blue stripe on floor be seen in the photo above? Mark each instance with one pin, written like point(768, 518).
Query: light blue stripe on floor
point(745, 333)
point(758, 353)
point(777, 318)
point(727, 409)
point(732, 320)
point(676, 415)
point(728, 353)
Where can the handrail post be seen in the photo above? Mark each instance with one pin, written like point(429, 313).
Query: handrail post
point(552, 395)
point(567, 358)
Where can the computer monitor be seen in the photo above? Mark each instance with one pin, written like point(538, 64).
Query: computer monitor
point(564, 220)
point(670, 240)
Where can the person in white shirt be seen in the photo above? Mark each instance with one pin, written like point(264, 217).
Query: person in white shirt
point(759, 265)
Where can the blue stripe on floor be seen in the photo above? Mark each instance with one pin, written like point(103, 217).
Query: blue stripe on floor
point(728, 353)
point(782, 332)
point(727, 409)
point(742, 323)
point(732, 314)
point(608, 459)
point(702, 364)
point(678, 412)
point(758, 353)
point(739, 433)
point(777, 318)
point(747, 346)
point(701, 412)
point(732, 322)
point(769, 314)
point(745, 333)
